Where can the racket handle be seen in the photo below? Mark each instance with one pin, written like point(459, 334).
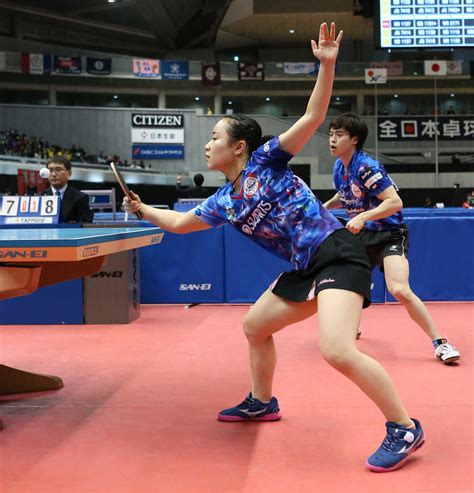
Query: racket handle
point(139, 215)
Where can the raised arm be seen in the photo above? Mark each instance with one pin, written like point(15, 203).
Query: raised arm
point(326, 50)
point(176, 222)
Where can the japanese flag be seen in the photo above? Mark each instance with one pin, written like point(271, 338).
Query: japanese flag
point(436, 67)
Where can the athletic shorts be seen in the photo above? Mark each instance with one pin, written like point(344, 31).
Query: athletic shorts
point(340, 262)
point(381, 244)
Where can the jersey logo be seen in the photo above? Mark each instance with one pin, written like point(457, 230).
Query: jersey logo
point(230, 213)
point(356, 191)
point(251, 186)
point(373, 179)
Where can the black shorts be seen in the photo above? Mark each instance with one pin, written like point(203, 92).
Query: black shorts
point(340, 262)
point(381, 244)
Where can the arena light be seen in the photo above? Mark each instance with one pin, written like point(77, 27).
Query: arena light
point(291, 31)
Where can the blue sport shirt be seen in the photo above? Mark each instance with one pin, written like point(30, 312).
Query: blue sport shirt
point(360, 184)
point(274, 208)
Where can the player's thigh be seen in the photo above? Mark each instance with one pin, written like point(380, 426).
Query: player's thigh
point(397, 271)
point(271, 313)
point(339, 314)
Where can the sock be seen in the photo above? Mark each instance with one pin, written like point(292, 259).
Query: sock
point(438, 342)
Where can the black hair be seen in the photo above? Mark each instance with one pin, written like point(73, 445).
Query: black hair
point(354, 125)
point(242, 127)
point(266, 138)
point(60, 160)
point(198, 179)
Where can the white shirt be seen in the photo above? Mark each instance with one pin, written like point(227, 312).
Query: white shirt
point(61, 191)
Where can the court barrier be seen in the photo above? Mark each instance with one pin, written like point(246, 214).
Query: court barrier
point(221, 265)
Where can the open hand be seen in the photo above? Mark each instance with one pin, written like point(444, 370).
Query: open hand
point(327, 48)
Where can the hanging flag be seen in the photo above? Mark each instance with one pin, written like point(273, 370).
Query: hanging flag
point(35, 63)
point(172, 70)
point(145, 67)
point(301, 68)
point(394, 69)
point(454, 67)
point(436, 67)
point(251, 71)
point(211, 74)
point(375, 75)
point(67, 65)
point(99, 66)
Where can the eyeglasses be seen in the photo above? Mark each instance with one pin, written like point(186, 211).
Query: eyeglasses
point(338, 134)
point(57, 170)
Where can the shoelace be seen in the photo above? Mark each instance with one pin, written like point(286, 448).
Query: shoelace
point(445, 347)
point(247, 402)
point(390, 441)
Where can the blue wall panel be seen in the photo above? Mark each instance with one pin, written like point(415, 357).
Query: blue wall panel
point(184, 269)
point(57, 304)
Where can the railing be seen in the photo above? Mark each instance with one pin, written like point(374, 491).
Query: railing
point(122, 68)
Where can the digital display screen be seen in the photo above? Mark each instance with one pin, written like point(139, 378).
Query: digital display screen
point(425, 23)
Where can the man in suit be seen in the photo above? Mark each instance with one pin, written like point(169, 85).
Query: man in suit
point(74, 204)
point(196, 192)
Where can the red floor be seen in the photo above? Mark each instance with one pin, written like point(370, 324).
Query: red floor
point(138, 410)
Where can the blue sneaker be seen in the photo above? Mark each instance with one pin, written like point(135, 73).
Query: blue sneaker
point(399, 443)
point(252, 410)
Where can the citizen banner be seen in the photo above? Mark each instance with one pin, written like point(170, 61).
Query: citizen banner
point(67, 65)
point(99, 66)
point(251, 71)
point(211, 74)
point(155, 120)
point(425, 128)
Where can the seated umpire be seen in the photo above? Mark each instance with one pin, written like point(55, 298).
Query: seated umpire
point(74, 204)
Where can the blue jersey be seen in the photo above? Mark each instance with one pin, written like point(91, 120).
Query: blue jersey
point(360, 184)
point(274, 208)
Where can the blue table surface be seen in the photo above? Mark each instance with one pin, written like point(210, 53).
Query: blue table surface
point(69, 237)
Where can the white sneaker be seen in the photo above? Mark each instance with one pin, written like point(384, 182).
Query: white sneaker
point(447, 353)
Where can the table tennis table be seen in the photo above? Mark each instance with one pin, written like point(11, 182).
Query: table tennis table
point(33, 258)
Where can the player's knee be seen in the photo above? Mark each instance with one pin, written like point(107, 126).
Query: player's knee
point(253, 329)
point(400, 292)
point(340, 358)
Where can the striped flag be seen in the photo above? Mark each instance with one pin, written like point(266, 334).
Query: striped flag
point(35, 63)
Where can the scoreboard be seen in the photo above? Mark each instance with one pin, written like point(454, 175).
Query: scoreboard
point(29, 210)
point(426, 23)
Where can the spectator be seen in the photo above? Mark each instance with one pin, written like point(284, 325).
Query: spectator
point(469, 204)
point(196, 192)
point(74, 204)
point(428, 203)
point(450, 110)
point(455, 160)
